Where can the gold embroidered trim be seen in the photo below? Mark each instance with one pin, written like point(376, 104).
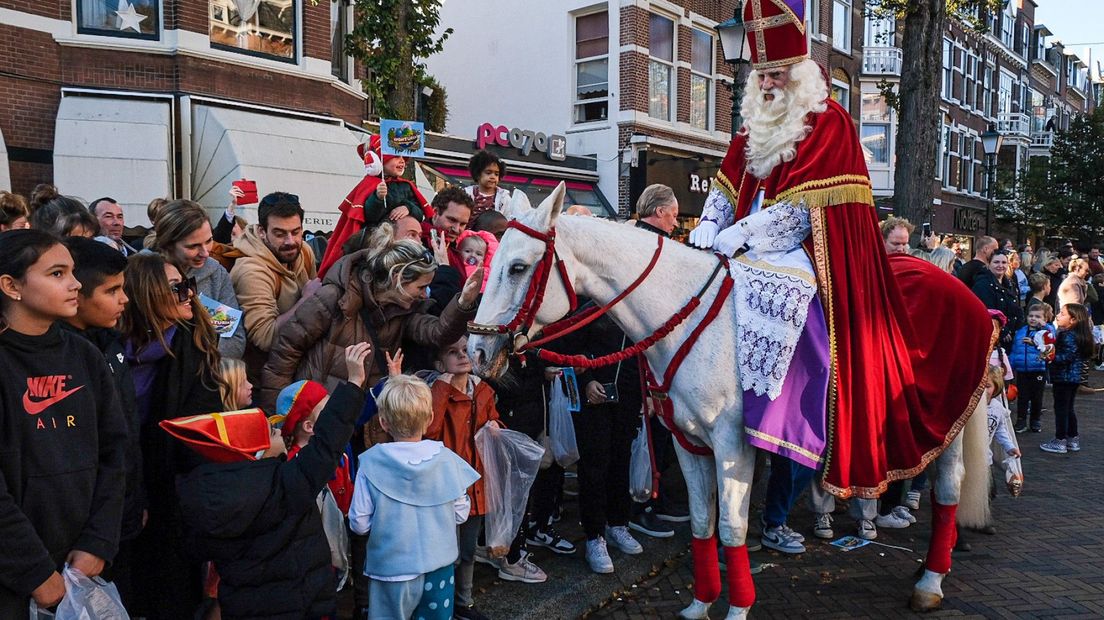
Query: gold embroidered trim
point(783, 443)
point(842, 189)
point(774, 64)
point(722, 183)
point(765, 266)
point(824, 279)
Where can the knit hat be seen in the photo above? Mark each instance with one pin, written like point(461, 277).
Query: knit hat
point(229, 437)
point(296, 402)
point(776, 32)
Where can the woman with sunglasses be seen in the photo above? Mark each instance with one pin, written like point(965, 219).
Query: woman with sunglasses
point(173, 354)
point(182, 234)
point(64, 439)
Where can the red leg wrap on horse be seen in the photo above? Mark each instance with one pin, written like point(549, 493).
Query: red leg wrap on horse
point(943, 537)
point(707, 573)
point(741, 589)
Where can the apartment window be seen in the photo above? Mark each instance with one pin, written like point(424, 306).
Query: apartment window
point(814, 16)
point(879, 31)
point(1040, 47)
point(661, 67)
point(256, 27)
point(966, 153)
point(948, 68)
point(944, 158)
point(841, 25)
point(1008, 25)
point(841, 93)
point(701, 78)
point(969, 90)
point(340, 27)
point(987, 92)
point(137, 19)
point(592, 67)
point(1025, 36)
point(1004, 93)
point(874, 132)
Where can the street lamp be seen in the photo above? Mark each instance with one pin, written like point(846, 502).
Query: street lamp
point(733, 36)
point(991, 141)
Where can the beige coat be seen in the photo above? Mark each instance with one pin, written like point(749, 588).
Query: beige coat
point(267, 288)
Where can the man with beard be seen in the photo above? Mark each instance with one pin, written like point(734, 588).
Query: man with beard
point(273, 274)
point(868, 396)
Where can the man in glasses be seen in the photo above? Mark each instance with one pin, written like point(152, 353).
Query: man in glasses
point(272, 276)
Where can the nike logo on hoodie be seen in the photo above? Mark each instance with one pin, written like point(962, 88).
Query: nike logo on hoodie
point(49, 389)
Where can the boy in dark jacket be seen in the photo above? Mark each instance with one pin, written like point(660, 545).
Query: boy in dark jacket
point(99, 268)
point(253, 512)
point(1030, 368)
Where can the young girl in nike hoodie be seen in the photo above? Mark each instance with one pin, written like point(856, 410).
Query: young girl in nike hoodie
point(63, 449)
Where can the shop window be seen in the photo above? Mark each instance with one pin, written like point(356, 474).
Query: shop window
point(841, 25)
point(701, 79)
point(592, 67)
point(341, 20)
point(257, 27)
point(136, 19)
point(661, 67)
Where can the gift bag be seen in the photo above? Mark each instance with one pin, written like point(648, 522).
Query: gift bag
point(561, 430)
point(640, 466)
point(86, 598)
point(510, 464)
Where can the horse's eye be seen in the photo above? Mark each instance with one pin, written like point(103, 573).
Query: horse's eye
point(518, 268)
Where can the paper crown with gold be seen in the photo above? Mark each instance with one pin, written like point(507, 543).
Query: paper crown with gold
point(229, 437)
point(776, 32)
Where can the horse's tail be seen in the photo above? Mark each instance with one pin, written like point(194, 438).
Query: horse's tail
point(973, 503)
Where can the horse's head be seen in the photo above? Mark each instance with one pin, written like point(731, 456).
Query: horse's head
point(508, 298)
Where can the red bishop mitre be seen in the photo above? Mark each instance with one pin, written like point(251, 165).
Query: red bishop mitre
point(776, 32)
point(229, 437)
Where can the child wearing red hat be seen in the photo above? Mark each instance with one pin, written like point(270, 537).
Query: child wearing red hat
point(253, 512)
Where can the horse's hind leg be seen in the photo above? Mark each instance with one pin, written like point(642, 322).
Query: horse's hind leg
point(927, 594)
point(701, 486)
point(735, 462)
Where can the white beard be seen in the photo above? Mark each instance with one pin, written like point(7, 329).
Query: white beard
point(774, 127)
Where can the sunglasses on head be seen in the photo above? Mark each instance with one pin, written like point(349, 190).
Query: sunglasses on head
point(184, 290)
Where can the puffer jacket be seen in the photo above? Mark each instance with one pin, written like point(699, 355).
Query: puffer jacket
point(311, 345)
point(267, 288)
point(1025, 357)
point(1068, 364)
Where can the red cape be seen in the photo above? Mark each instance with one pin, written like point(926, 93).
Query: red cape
point(909, 343)
point(351, 220)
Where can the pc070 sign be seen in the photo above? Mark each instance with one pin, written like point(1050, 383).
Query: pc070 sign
point(553, 146)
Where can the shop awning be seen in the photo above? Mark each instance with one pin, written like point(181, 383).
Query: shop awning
point(117, 147)
point(5, 174)
point(535, 186)
point(316, 160)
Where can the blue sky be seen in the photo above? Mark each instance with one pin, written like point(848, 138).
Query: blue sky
point(1075, 22)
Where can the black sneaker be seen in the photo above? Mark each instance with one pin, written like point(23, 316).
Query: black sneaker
point(1036, 429)
point(471, 612)
point(646, 522)
point(1020, 428)
point(548, 538)
point(674, 514)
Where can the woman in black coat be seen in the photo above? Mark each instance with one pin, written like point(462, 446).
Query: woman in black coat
point(990, 289)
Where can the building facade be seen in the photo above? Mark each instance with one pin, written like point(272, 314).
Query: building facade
point(177, 98)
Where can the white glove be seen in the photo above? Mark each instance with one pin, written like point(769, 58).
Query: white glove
point(703, 234)
point(731, 239)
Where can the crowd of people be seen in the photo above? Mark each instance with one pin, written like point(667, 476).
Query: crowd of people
point(234, 420)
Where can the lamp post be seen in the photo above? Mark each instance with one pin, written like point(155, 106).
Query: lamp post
point(733, 36)
point(991, 141)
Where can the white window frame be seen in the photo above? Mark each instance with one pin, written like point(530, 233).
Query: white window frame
point(845, 38)
point(879, 31)
point(947, 71)
point(887, 124)
point(710, 83)
point(296, 34)
point(577, 103)
point(846, 88)
point(814, 16)
point(158, 25)
point(347, 61)
point(987, 90)
point(969, 80)
point(672, 68)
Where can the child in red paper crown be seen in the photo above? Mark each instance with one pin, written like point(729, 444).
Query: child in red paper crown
point(250, 507)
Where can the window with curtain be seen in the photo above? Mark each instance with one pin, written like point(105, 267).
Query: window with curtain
point(841, 25)
point(874, 132)
point(591, 67)
point(661, 67)
point(701, 78)
point(340, 27)
point(139, 19)
point(257, 27)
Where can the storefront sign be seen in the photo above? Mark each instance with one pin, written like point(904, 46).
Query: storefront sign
point(688, 175)
point(700, 184)
point(553, 146)
point(970, 220)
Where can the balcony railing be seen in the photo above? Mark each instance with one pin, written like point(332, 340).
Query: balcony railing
point(882, 60)
point(1013, 124)
point(1042, 139)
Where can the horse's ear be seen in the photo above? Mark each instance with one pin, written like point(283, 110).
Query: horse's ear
point(552, 206)
point(517, 206)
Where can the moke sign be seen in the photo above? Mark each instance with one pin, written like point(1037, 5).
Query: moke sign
point(553, 146)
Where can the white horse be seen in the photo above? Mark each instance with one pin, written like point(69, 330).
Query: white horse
point(601, 258)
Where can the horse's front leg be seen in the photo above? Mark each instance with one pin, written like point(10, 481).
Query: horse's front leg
point(735, 462)
point(927, 594)
point(701, 487)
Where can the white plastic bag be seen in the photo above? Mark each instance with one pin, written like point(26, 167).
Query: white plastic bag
point(640, 466)
point(337, 535)
point(86, 598)
point(510, 464)
point(561, 430)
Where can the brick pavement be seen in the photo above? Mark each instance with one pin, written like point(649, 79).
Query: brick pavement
point(1046, 561)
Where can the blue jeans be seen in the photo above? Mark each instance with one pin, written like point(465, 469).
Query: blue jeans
point(787, 481)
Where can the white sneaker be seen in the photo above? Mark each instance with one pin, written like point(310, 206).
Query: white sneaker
point(524, 571)
point(620, 537)
point(903, 512)
point(912, 500)
point(822, 527)
point(866, 529)
point(892, 521)
point(597, 556)
point(1073, 444)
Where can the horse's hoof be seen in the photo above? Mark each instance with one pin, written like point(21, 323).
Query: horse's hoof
point(737, 613)
point(697, 610)
point(922, 601)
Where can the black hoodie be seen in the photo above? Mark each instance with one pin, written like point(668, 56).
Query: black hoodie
point(63, 441)
point(259, 523)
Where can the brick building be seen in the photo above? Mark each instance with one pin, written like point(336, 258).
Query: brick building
point(177, 98)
